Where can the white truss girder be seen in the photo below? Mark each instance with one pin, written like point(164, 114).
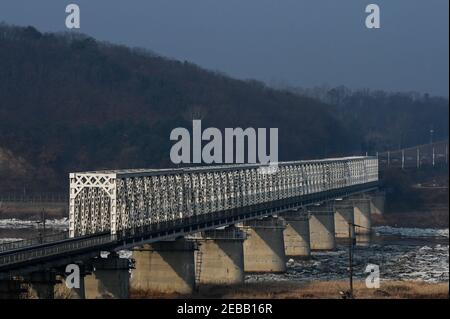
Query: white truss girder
point(124, 199)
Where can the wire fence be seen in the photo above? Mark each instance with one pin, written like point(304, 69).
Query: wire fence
point(427, 155)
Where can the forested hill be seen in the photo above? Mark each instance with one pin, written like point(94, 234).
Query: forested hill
point(68, 102)
point(387, 120)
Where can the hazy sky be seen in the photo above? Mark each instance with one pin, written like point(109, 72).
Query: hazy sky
point(296, 42)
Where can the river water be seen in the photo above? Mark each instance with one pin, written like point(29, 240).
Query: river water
point(400, 253)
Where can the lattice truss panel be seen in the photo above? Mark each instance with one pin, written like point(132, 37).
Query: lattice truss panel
point(92, 202)
point(128, 199)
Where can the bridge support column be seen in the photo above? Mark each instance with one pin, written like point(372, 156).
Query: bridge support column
point(296, 235)
point(377, 202)
point(110, 279)
point(343, 215)
point(321, 225)
point(164, 267)
point(220, 257)
point(11, 289)
point(264, 246)
point(362, 215)
point(41, 285)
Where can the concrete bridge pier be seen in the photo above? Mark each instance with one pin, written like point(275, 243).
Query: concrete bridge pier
point(220, 257)
point(377, 202)
point(164, 267)
point(264, 246)
point(362, 215)
point(322, 228)
point(110, 278)
point(296, 234)
point(343, 215)
point(41, 284)
point(11, 289)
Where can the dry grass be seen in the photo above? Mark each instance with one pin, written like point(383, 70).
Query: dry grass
point(315, 290)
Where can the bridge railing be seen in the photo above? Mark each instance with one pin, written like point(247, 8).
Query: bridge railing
point(34, 241)
point(232, 234)
point(55, 249)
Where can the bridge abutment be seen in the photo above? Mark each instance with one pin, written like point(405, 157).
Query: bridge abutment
point(322, 228)
point(110, 278)
point(296, 235)
point(220, 257)
point(164, 267)
point(264, 246)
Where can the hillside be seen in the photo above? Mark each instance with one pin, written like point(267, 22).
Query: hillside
point(68, 102)
point(386, 120)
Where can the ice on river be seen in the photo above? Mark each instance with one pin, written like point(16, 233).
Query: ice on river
point(396, 262)
point(427, 262)
point(13, 223)
point(410, 232)
point(8, 240)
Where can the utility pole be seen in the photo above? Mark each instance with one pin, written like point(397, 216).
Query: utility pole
point(418, 157)
point(351, 228)
point(42, 230)
point(446, 153)
point(433, 157)
point(403, 159)
point(43, 221)
point(431, 134)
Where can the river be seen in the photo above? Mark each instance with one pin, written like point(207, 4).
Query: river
point(400, 253)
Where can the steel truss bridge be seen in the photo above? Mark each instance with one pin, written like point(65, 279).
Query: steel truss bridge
point(113, 210)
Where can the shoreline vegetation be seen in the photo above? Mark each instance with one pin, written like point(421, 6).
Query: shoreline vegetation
point(312, 290)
